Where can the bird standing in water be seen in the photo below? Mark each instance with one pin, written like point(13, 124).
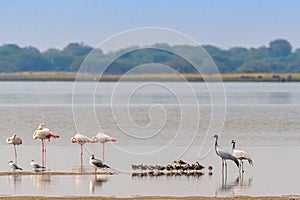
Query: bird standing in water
point(81, 140)
point(97, 163)
point(43, 133)
point(36, 166)
point(14, 166)
point(103, 138)
point(241, 155)
point(16, 141)
point(224, 155)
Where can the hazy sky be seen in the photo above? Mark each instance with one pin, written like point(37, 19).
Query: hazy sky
point(55, 23)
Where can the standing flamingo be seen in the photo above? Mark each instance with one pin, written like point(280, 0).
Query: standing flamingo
point(81, 139)
point(103, 138)
point(43, 133)
point(14, 140)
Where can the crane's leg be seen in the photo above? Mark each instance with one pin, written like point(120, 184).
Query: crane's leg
point(103, 152)
point(222, 167)
point(242, 166)
point(225, 172)
point(16, 160)
point(239, 168)
point(225, 167)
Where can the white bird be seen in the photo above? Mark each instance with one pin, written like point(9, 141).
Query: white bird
point(43, 133)
point(36, 166)
point(97, 163)
point(103, 138)
point(81, 140)
point(224, 154)
point(16, 141)
point(14, 166)
point(241, 155)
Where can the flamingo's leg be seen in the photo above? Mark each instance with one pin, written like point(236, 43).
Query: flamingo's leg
point(43, 153)
point(103, 152)
point(16, 161)
point(81, 153)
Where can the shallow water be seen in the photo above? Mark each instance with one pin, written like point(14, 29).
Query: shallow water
point(153, 126)
point(270, 175)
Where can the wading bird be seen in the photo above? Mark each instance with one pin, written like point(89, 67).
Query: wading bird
point(97, 163)
point(224, 155)
point(36, 166)
point(81, 140)
point(103, 138)
point(14, 166)
point(179, 162)
point(43, 133)
point(16, 141)
point(241, 155)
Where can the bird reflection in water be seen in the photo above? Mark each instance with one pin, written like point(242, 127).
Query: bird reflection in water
point(41, 181)
point(97, 181)
point(14, 180)
point(238, 187)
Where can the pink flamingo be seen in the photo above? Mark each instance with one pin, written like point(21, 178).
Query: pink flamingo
point(43, 133)
point(16, 141)
point(103, 138)
point(81, 140)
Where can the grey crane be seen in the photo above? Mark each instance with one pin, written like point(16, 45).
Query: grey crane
point(224, 155)
point(241, 155)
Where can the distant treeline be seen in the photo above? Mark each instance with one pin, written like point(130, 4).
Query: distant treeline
point(277, 57)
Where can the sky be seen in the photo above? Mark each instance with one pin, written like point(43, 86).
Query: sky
point(56, 23)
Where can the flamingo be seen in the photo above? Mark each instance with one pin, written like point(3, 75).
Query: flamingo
point(241, 155)
point(97, 163)
point(43, 133)
point(14, 140)
point(103, 138)
point(81, 140)
point(224, 155)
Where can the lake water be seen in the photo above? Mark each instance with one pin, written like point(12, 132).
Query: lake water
point(154, 123)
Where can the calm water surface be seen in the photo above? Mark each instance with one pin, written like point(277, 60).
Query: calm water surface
point(154, 124)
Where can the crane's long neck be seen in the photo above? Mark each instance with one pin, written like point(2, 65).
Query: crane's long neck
point(216, 145)
point(216, 142)
point(233, 145)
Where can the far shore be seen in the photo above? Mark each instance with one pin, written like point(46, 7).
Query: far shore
point(73, 76)
point(149, 198)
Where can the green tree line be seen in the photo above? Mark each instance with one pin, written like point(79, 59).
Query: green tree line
point(277, 57)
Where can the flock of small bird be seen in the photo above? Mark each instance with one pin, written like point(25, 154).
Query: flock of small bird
point(179, 168)
point(44, 133)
